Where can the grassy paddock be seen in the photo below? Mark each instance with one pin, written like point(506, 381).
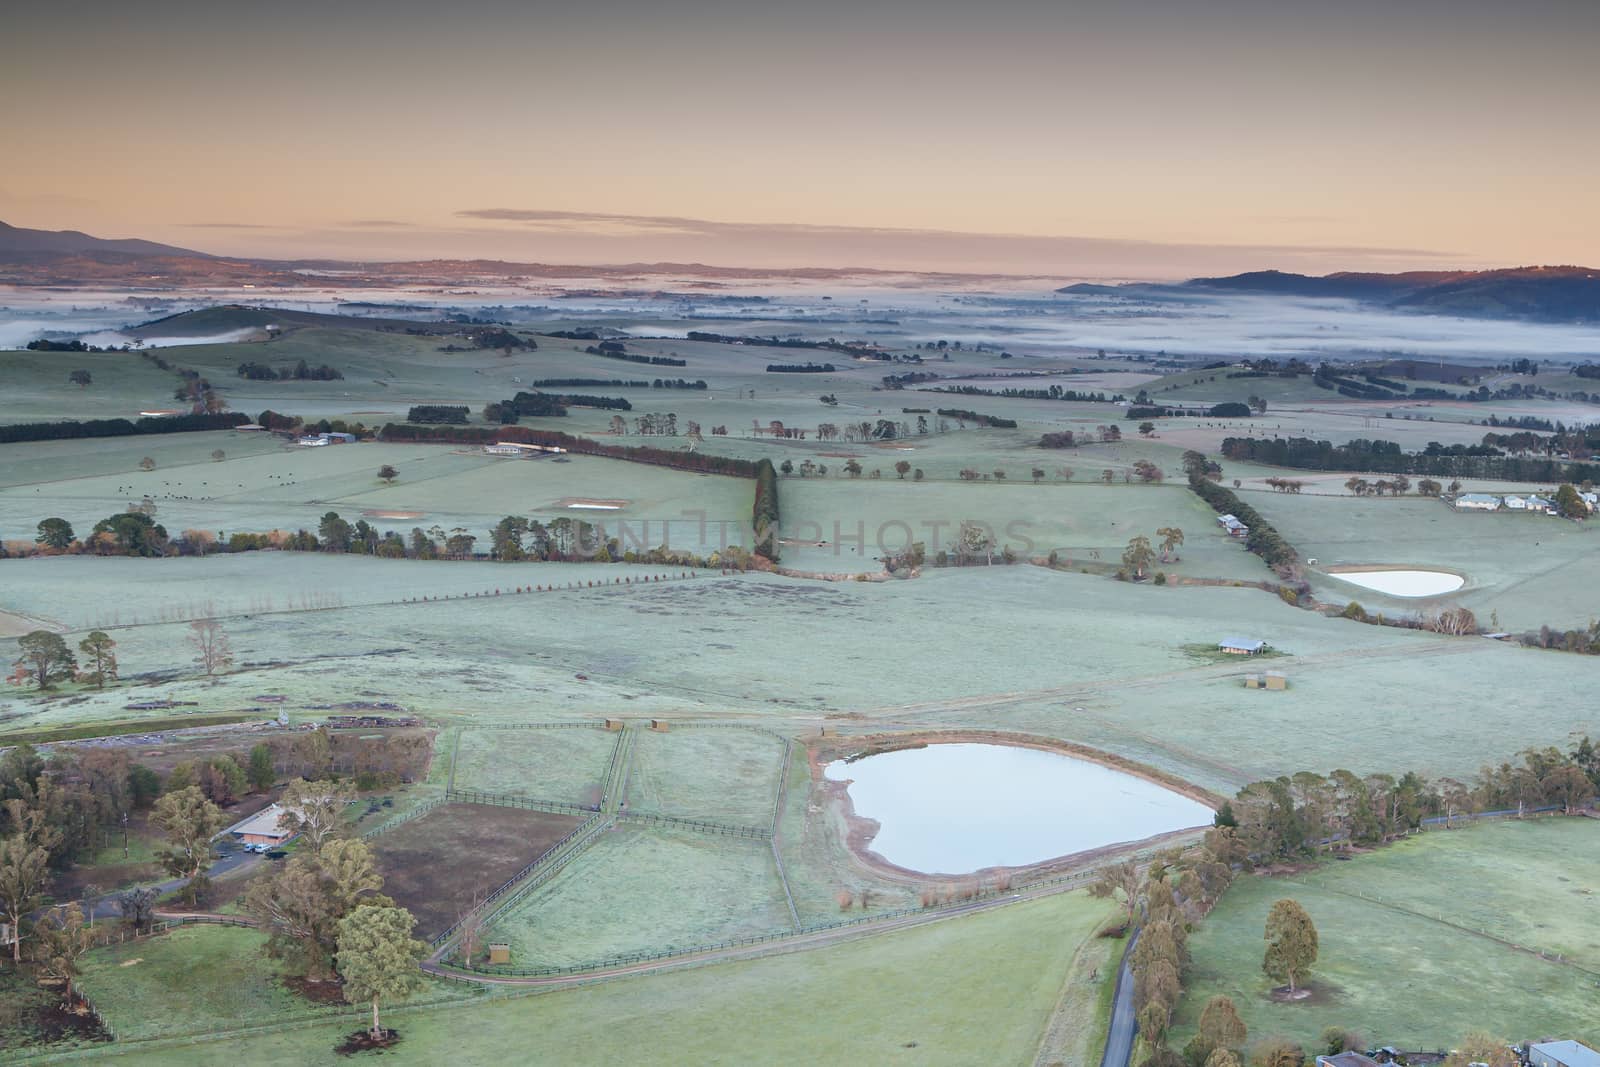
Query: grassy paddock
point(561, 764)
point(647, 890)
point(1403, 971)
point(725, 775)
point(973, 990)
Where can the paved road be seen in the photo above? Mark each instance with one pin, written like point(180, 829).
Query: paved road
point(1119, 1040)
point(106, 907)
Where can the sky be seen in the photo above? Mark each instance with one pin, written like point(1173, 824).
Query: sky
point(1145, 138)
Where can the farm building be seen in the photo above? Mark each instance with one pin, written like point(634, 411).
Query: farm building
point(1271, 680)
point(313, 442)
point(1233, 526)
point(262, 828)
point(1347, 1059)
point(1563, 1054)
point(341, 438)
point(1241, 646)
point(516, 448)
point(1516, 503)
point(1477, 502)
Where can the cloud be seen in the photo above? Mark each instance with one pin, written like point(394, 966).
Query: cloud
point(227, 226)
point(377, 224)
point(614, 237)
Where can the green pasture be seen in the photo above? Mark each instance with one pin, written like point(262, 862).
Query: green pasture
point(1410, 968)
point(975, 989)
point(723, 775)
point(567, 765)
point(643, 890)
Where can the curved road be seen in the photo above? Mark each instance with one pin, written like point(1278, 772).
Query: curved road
point(1119, 1039)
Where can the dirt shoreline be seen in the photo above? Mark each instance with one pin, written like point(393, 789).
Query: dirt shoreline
point(861, 830)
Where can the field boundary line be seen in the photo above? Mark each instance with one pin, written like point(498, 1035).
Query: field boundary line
point(1439, 917)
point(777, 815)
point(514, 800)
point(615, 782)
point(399, 820)
point(530, 878)
point(450, 782)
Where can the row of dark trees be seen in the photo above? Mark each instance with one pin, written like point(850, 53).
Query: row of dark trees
point(618, 350)
point(1263, 539)
point(69, 430)
point(1054, 392)
point(1168, 897)
point(618, 383)
point(1387, 457)
point(1306, 813)
point(448, 414)
point(300, 372)
point(980, 420)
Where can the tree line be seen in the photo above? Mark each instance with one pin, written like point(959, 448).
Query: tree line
point(1436, 461)
point(71, 429)
point(1306, 813)
point(300, 372)
point(618, 383)
point(981, 420)
point(1054, 392)
point(322, 910)
point(1263, 539)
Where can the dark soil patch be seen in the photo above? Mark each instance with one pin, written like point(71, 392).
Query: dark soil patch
point(363, 1041)
point(437, 865)
point(1310, 993)
point(316, 992)
point(35, 1016)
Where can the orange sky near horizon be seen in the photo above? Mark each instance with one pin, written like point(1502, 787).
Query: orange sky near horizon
point(1360, 134)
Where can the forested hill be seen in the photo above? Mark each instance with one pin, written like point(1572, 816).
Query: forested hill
point(18, 244)
point(1553, 294)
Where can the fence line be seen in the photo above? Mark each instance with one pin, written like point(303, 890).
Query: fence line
point(1439, 917)
point(611, 786)
point(777, 817)
point(582, 725)
point(415, 813)
point(554, 859)
point(511, 800)
point(704, 826)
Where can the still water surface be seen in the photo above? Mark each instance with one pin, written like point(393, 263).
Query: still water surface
point(1405, 583)
point(951, 809)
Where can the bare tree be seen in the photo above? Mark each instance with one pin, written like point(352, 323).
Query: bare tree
point(210, 644)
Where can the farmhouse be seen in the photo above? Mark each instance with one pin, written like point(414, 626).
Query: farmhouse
point(1563, 1054)
point(262, 828)
point(1234, 527)
point(1516, 503)
point(1241, 646)
point(502, 450)
point(1477, 502)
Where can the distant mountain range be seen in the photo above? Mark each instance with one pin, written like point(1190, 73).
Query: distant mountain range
point(1552, 294)
point(19, 245)
point(69, 257)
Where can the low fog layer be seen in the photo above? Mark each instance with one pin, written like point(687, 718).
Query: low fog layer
point(1025, 320)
